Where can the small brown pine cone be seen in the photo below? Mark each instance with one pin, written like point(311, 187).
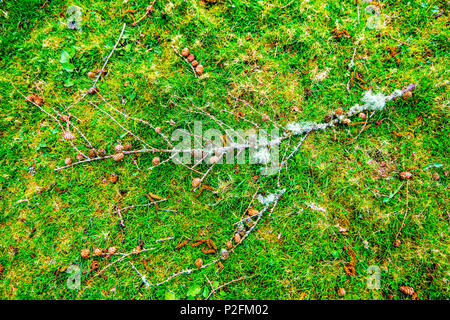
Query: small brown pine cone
point(224, 254)
point(341, 292)
point(199, 69)
point(38, 100)
point(328, 117)
point(94, 265)
point(118, 148)
point(112, 250)
point(34, 98)
point(156, 161)
point(396, 243)
point(405, 175)
point(407, 95)
point(185, 52)
point(158, 130)
point(136, 250)
point(191, 57)
point(92, 90)
point(113, 178)
point(196, 182)
point(85, 253)
point(68, 161)
point(118, 157)
point(101, 152)
point(91, 75)
point(252, 212)
point(237, 238)
point(265, 118)
point(409, 291)
point(127, 146)
point(98, 252)
point(229, 245)
point(79, 157)
point(199, 263)
point(92, 153)
point(339, 111)
point(194, 63)
point(346, 121)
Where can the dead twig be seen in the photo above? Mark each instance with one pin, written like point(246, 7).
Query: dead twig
point(226, 284)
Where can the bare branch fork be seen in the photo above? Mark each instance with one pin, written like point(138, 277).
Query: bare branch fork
point(294, 129)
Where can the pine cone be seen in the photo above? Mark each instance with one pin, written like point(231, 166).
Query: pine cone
point(92, 153)
point(405, 175)
point(34, 98)
point(136, 250)
point(118, 148)
point(185, 52)
point(127, 146)
point(237, 238)
point(224, 254)
point(101, 152)
point(79, 157)
point(199, 69)
point(407, 95)
point(85, 253)
point(92, 90)
point(112, 250)
point(339, 111)
point(328, 117)
point(156, 161)
point(95, 264)
point(113, 178)
point(409, 291)
point(198, 263)
point(98, 252)
point(341, 292)
point(118, 157)
point(252, 212)
point(196, 182)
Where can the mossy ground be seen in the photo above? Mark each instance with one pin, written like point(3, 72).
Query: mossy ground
point(272, 54)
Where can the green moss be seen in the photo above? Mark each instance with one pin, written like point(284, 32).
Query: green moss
point(270, 55)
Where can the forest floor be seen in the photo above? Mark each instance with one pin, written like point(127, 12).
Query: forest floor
point(345, 203)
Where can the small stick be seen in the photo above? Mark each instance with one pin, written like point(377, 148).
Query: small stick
point(226, 284)
point(406, 213)
point(143, 277)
